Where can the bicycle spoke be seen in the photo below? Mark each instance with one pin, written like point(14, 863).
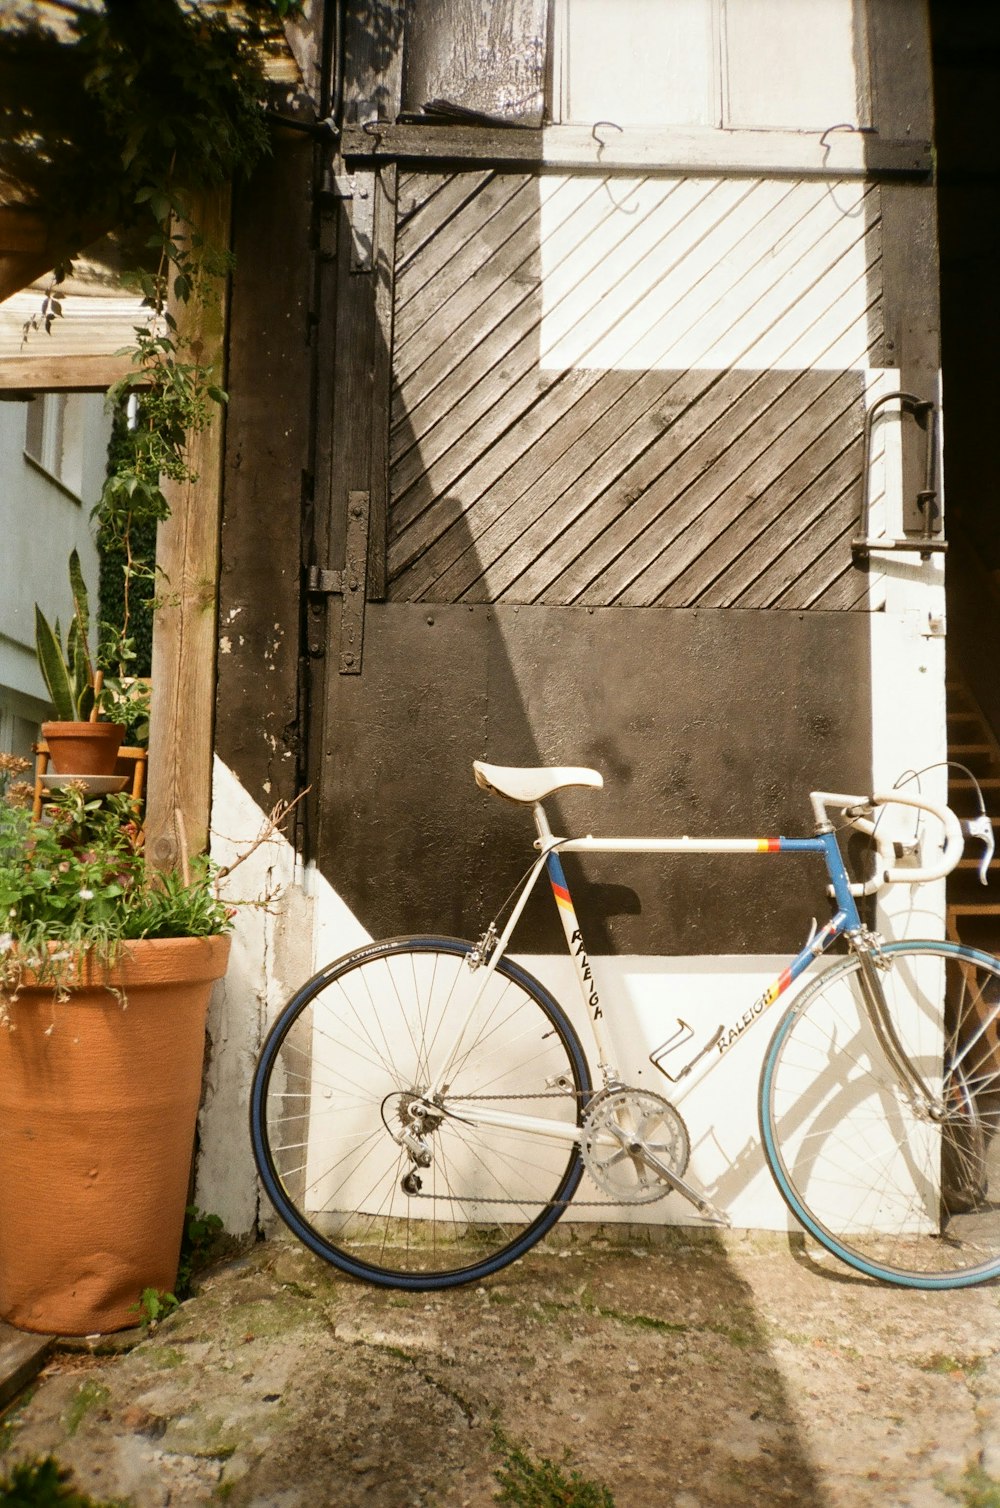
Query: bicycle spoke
point(900, 1190)
point(371, 1174)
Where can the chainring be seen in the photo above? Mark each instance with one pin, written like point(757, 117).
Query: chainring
point(617, 1126)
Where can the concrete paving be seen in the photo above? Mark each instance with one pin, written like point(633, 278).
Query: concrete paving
point(703, 1370)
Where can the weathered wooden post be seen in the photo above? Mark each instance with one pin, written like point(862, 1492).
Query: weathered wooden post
point(184, 638)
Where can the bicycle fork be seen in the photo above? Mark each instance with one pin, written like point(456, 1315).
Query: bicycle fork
point(915, 1090)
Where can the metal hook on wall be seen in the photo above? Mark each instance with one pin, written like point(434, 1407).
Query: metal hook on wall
point(601, 144)
point(931, 539)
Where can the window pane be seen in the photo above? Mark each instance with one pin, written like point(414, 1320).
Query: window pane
point(801, 67)
point(34, 430)
point(644, 62)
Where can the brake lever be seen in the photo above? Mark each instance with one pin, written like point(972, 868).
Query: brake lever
point(982, 828)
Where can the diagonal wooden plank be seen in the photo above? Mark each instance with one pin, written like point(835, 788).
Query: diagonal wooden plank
point(673, 230)
point(427, 218)
point(470, 331)
point(589, 238)
point(686, 500)
point(705, 293)
point(770, 486)
point(545, 445)
point(436, 479)
point(534, 501)
point(556, 512)
point(547, 469)
point(501, 588)
point(495, 496)
point(457, 404)
point(834, 584)
point(484, 223)
point(705, 448)
point(469, 317)
point(790, 544)
point(413, 191)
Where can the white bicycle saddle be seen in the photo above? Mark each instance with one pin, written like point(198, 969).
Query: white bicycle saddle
point(520, 783)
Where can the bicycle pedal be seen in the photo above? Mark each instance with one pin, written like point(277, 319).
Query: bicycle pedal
point(713, 1216)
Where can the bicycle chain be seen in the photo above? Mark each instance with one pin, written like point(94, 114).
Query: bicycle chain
point(577, 1204)
point(584, 1204)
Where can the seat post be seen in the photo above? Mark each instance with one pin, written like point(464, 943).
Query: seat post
point(542, 827)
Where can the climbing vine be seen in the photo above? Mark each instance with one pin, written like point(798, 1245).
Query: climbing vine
point(115, 116)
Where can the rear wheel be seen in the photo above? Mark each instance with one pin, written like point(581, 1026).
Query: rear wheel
point(390, 1186)
point(904, 1193)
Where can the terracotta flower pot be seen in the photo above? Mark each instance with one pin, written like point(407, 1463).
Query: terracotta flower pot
point(99, 1096)
point(83, 748)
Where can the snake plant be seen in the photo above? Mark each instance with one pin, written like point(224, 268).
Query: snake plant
point(68, 669)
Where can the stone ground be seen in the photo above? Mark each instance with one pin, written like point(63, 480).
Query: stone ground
point(707, 1370)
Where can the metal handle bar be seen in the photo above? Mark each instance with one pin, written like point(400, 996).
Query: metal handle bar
point(892, 874)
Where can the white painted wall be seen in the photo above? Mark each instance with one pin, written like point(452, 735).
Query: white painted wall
point(41, 520)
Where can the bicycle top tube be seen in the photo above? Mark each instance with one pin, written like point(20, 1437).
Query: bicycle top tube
point(531, 785)
point(824, 844)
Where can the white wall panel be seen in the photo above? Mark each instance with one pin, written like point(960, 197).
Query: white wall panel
point(698, 276)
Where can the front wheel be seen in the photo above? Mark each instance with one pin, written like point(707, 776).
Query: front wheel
point(904, 1192)
point(372, 1174)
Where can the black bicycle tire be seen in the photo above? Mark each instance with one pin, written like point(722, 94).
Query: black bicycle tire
point(299, 1223)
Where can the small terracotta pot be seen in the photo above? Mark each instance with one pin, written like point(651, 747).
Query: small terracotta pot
point(99, 1097)
point(83, 748)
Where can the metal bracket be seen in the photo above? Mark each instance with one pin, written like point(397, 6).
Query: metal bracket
point(359, 188)
point(349, 583)
point(931, 539)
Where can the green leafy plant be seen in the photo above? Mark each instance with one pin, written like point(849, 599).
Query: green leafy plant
point(116, 119)
point(43, 1483)
point(976, 1490)
point(154, 1305)
point(202, 1234)
point(544, 1483)
point(79, 883)
point(67, 668)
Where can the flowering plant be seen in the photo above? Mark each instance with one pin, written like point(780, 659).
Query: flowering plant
point(78, 882)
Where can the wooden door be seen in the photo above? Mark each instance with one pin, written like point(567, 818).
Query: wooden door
point(598, 558)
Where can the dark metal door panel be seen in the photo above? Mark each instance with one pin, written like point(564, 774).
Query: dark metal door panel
point(710, 723)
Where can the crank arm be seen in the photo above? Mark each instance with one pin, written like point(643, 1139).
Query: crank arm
point(703, 1205)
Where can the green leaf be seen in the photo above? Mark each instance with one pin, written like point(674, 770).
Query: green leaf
point(53, 666)
point(81, 602)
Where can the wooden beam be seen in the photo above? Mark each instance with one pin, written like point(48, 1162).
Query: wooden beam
point(22, 230)
point(29, 248)
point(184, 634)
point(685, 150)
point(26, 251)
point(50, 374)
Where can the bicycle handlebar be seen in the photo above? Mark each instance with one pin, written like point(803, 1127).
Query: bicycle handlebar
point(861, 820)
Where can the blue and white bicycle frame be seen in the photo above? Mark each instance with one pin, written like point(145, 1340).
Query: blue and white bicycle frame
point(858, 812)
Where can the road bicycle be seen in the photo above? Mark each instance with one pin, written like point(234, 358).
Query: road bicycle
point(423, 1110)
